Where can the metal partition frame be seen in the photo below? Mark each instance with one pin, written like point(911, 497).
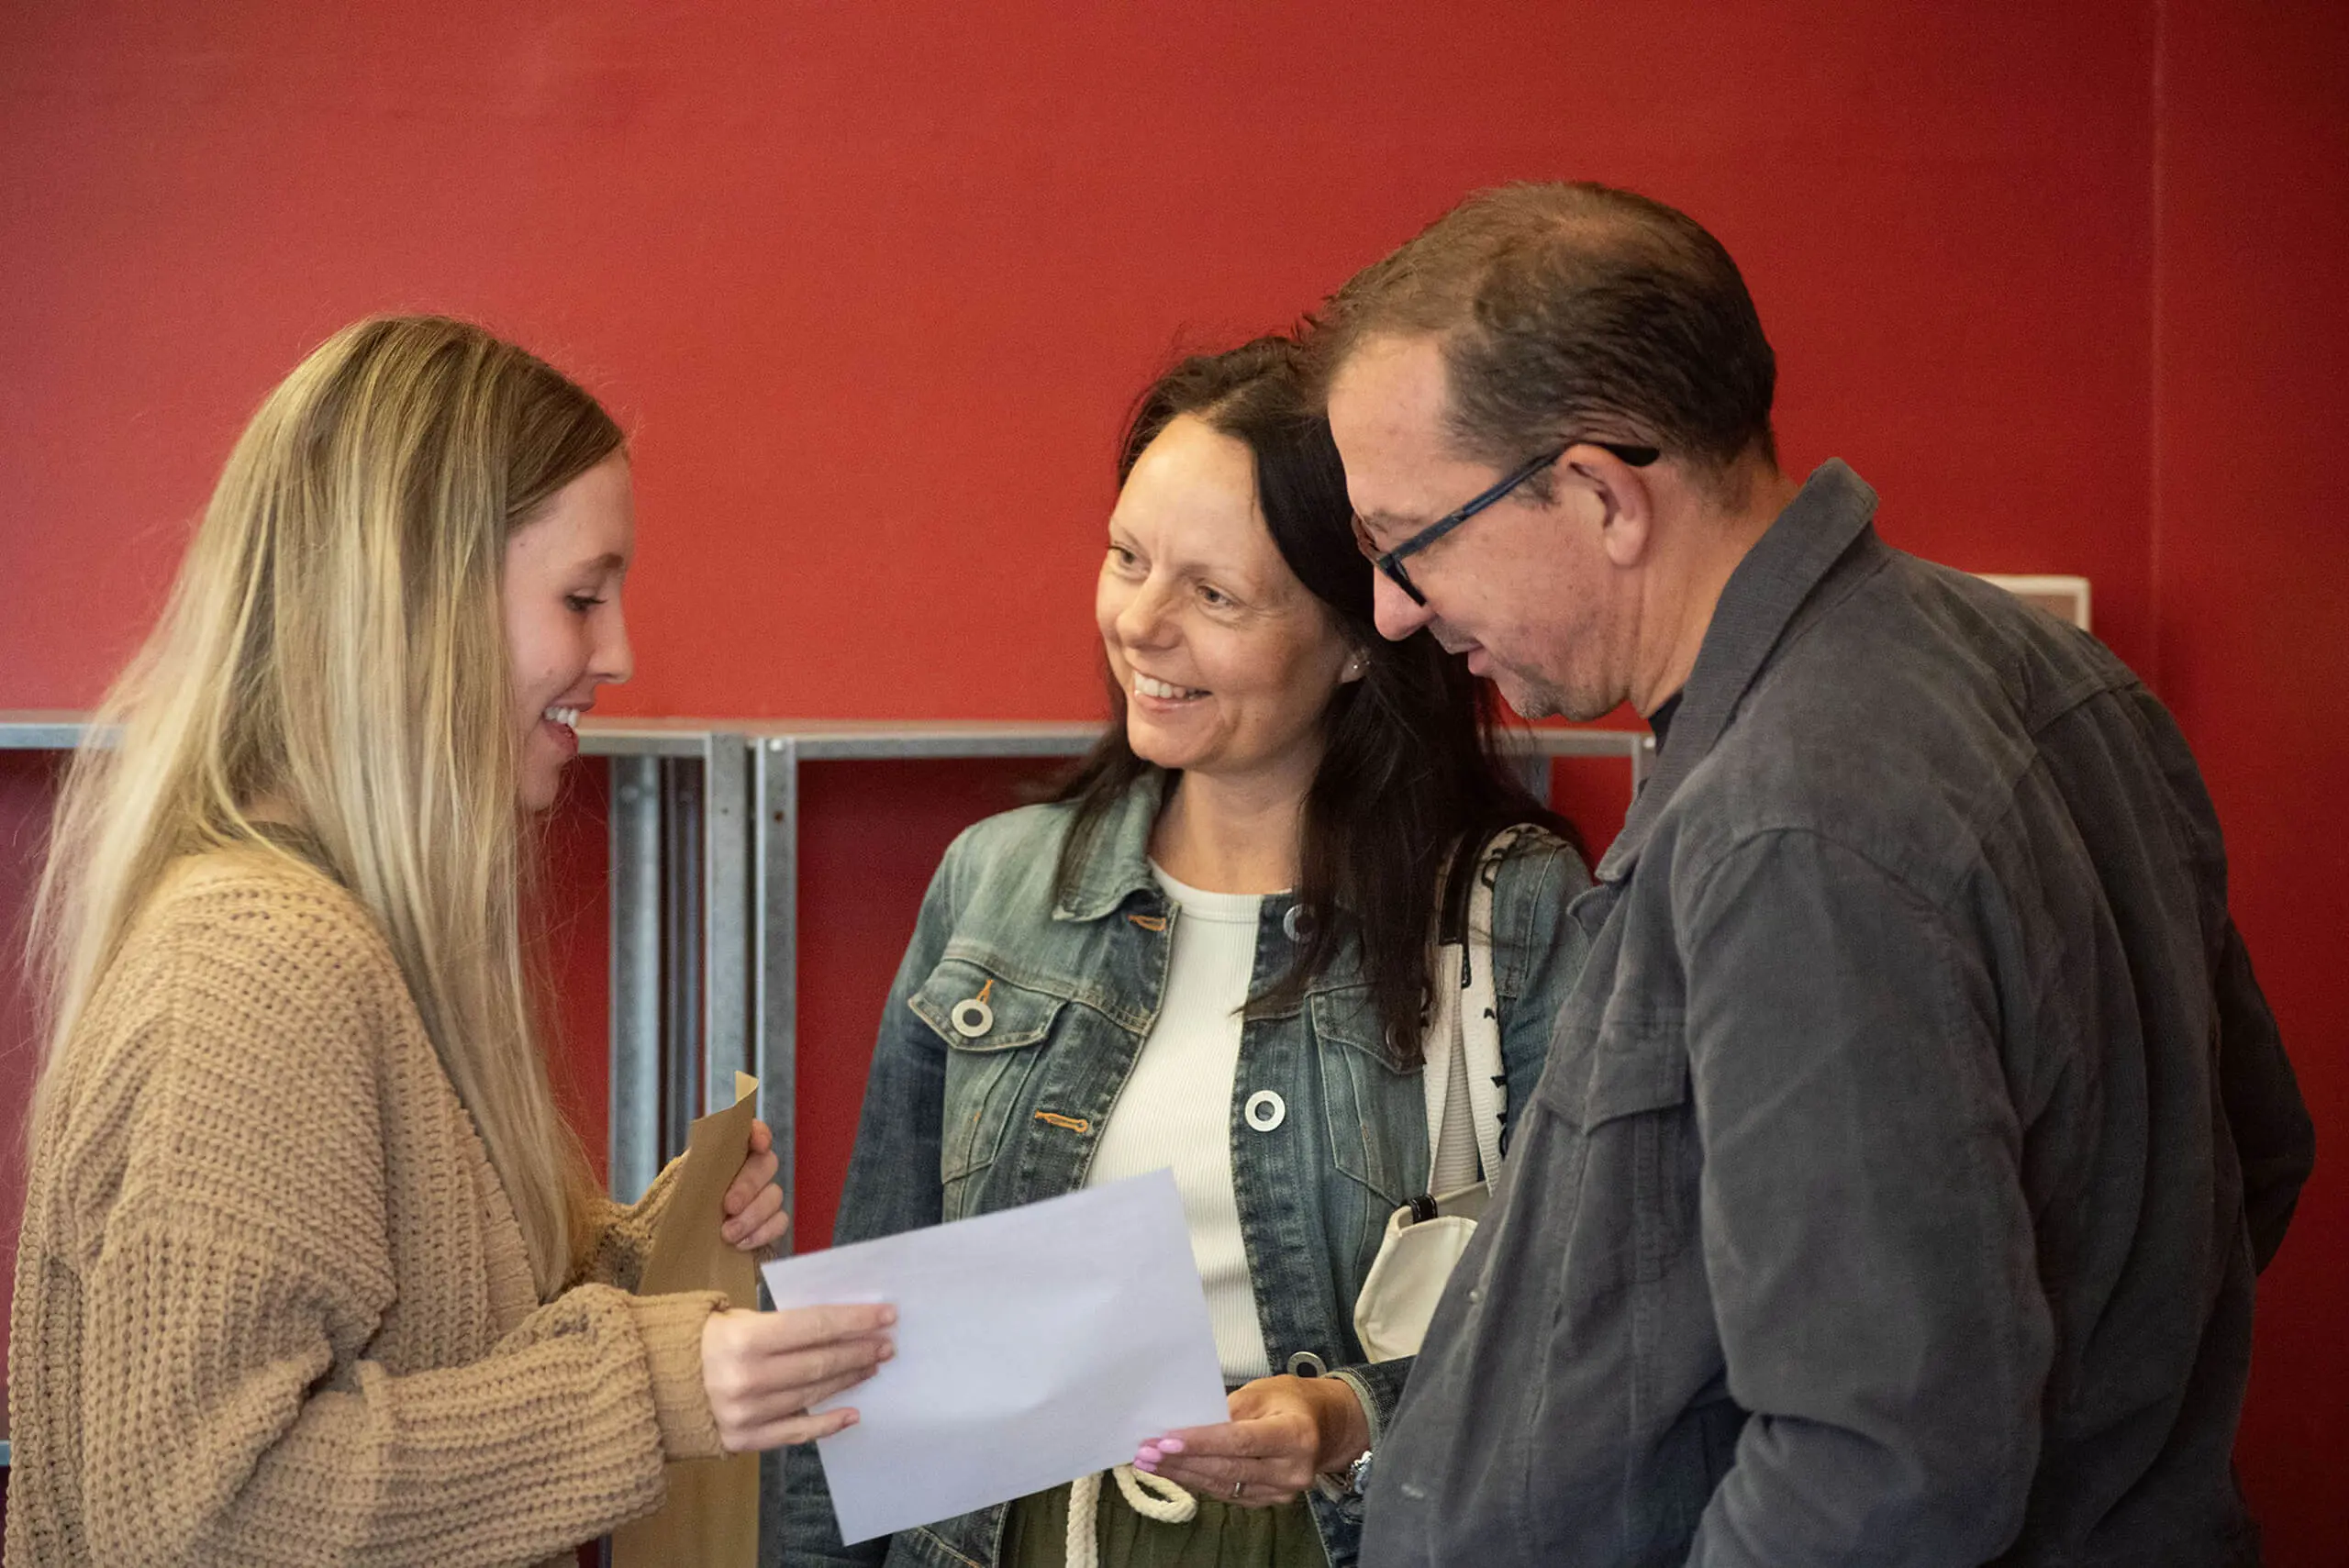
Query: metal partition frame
point(660, 947)
point(776, 752)
point(705, 893)
point(778, 749)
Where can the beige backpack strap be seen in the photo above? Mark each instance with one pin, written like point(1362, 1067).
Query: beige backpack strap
point(1442, 1044)
point(1479, 1008)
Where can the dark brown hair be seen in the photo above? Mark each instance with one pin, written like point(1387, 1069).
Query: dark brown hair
point(1411, 784)
point(1570, 311)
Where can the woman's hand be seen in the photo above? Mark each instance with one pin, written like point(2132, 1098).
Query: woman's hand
point(1282, 1433)
point(755, 1216)
point(762, 1369)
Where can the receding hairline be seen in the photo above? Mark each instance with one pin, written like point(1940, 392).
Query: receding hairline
point(1393, 298)
point(1472, 280)
point(1457, 440)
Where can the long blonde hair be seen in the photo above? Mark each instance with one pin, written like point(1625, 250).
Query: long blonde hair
point(333, 649)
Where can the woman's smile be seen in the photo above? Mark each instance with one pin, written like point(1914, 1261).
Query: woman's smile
point(1193, 585)
point(1164, 697)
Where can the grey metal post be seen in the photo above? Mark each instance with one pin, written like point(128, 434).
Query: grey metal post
point(775, 956)
point(635, 832)
point(726, 918)
point(774, 1020)
point(1642, 761)
point(682, 853)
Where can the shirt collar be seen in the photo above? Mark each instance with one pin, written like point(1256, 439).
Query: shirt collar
point(1827, 516)
point(1116, 864)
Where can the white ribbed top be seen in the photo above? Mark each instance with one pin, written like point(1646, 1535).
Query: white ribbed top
point(1175, 1110)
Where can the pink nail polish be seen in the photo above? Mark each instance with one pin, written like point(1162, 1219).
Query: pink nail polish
point(1170, 1445)
point(1147, 1466)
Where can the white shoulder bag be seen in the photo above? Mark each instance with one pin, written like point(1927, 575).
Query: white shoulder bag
point(1425, 1238)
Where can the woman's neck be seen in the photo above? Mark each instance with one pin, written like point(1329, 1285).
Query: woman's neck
point(1225, 834)
point(275, 810)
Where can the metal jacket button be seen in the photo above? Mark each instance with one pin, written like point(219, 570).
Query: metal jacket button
point(1297, 924)
point(1304, 1364)
point(972, 1016)
point(1266, 1110)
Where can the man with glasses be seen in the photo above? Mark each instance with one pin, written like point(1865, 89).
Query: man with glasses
point(1906, 1152)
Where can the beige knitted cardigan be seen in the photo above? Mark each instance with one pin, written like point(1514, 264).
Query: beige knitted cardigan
point(271, 1305)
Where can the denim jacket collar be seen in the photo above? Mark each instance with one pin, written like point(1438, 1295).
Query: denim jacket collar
point(1778, 575)
point(1116, 862)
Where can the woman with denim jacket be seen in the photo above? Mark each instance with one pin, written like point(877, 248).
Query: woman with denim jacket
point(1211, 952)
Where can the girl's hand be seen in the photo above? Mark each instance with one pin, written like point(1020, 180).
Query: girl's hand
point(755, 1216)
point(761, 1370)
point(1282, 1433)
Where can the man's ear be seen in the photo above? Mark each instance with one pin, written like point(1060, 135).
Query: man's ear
point(1627, 505)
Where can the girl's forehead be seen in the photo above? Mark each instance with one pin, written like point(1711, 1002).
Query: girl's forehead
point(588, 525)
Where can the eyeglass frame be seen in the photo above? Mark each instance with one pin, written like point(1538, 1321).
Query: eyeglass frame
point(1390, 563)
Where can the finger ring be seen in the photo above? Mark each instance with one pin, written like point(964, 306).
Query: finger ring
point(1237, 1487)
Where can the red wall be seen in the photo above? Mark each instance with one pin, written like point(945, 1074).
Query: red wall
point(873, 284)
point(27, 782)
point(2251, 557)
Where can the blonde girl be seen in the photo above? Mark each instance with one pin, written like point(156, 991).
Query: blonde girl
point(311, 1270)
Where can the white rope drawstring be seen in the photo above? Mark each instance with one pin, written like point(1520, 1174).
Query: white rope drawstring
point(1152, 1496)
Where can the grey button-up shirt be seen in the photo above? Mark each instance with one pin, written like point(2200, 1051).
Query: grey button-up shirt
point(1906, 1151)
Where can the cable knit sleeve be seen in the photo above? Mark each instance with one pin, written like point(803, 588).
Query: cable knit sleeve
point(624, 1243)
point(235, 1270)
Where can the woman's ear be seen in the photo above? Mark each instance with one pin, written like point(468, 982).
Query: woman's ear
point(1357, 666)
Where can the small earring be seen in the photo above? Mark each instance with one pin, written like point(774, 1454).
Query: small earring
point(1355, 666)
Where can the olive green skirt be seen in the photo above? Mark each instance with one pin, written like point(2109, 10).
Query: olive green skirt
point(1221, 1535)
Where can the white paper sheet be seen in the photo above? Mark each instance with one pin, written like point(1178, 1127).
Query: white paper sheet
point(1034, 1346)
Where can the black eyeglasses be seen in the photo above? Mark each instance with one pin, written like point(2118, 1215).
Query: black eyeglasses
point(1391, 561)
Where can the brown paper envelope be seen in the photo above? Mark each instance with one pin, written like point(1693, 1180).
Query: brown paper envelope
point(711, 1517)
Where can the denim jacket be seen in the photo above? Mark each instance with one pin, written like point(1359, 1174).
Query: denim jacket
point(956, 1125)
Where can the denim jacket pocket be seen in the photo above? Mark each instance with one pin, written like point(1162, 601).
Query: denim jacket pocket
point(990, 1027)
point(1377, 1116)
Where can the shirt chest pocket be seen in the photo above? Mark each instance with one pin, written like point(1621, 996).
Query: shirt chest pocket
point(993, 1031)
point(1634, 1070)
point(1621, 1102)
